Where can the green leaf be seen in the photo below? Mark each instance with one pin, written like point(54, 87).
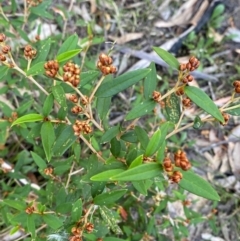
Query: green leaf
point(105, 176)
point(136, 162)
point(142, 186)
point(115, 147)
point(38, 160)
point(42, 51)
point(17, 204)
point(69, 44)
point(48, 137)
point(154, 143)
point(64, 141)
point(161, 152)
point(59, 96)
point(41, 11)
point(31, 225)
point(108, 216)
point(103, 107)
point(142, 172)
point(24, 107)
point(167, 57)
point(129, 136)
point(150, 82)
point(197, 122)
point(88, 76)
point(172, 107)
point(110, 133)
point(201, 99)
point(76, 213)
point(198, 186)
point(52, 221)
point(36, 69)
point(234, 112)
point(67, 55)
point(141, 109)
point(28, 118)
point(109, 197)
point(48, 105)
point(121, 83)
point(3, 71)
point(142, 136)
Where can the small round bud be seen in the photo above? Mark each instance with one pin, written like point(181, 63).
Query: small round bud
point(182, 67)
point(6, 49)
point(2, 37)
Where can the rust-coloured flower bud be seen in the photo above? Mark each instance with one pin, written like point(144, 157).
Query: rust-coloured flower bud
point(103, 59)
point(54, 72)
point(177, 162)
point(180, 91)
point(48, 171)
point(185, 165)
point(76, 109)
point(226, 118)
point(176, 177)
point(3, 57)
point(48, 73)
point(237, 89)
point(185, 80)
point(188, 66)
point(236, 83)
point(192, 59)
point(6, 49)
point(109, 61)
point(76, 230)
point(105, 70)
point(99, 64)
point(75, 128)
point(189, 78)
point(29, 210)
point(186, 102)
point(55, 65)
point(89, 227)
point(75, 82)
point(182, 67)
point(113, 69)
point(77, 71)
point(28, 48)
point(177, 154)
point(2, 37)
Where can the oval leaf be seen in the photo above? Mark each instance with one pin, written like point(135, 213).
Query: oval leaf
point(36, 69)
point(59, 96)
point(197, 185)
point(43, 51)
point(48, 104)
point(173, 108)
point(110, 133)
point(105, 176)
point(64, 141)
point(38, 160)
point(28, 118)
point(48, 137)
point(69, 44)
point(154, 143)
point(142, 172)
point(121, 83)
point(141, 109)
point(136, 162)
point(167, 57)
point(52, 221)
point(201, 99)
point(76, 213)
point(109, 197)
point(67, 55)
point(150, 82)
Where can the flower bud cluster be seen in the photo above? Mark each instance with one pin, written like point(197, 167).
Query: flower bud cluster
point(34, 3)
point(77, 233)
point(226, 118)
point(192, 65)
point(176, 177)
point(30, 210)
point(76, 109)
point(71, 73)
point(73, 98)
point(29, 52)
point(48, 171)
point(186, 102)
point(2, 37)
point(180, 91)
point(156, 96)
point(51, 68)
point(89, 227)
point(236, 84)
point(105, 64)
point(181, 160)
point(81, 126)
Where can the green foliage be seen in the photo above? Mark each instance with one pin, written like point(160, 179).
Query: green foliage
point(67, 169)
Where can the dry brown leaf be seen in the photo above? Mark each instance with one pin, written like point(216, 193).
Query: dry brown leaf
point(196, 18)
point(183, 16)
point(126, 37)
point(234, 154)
